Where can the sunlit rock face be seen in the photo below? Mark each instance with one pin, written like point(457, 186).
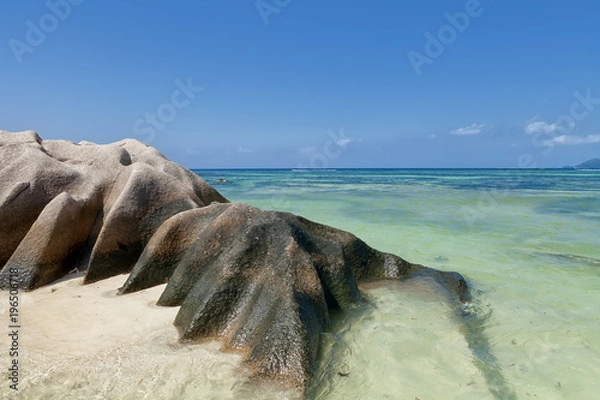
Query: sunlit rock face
point(66, 206)
point(263, 282)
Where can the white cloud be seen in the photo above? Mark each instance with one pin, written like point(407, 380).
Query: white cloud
point(473, 129)
point(540, 127)
point(192, 152)
point(568, 140)
point(243, 150)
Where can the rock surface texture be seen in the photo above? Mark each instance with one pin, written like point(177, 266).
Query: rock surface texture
point(66, 206)
point(264, 282)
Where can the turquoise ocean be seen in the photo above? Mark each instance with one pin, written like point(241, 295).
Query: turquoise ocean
point(528, 242)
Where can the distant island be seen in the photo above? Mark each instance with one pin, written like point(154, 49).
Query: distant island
point(590, 164)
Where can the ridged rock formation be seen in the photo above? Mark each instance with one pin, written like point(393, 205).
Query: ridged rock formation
point(261, 281)
point(66, 206)
point(264, 281)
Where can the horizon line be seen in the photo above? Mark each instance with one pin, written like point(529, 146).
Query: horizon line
point(388, 168)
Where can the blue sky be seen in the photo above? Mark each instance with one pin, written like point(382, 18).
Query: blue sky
point(298, 83)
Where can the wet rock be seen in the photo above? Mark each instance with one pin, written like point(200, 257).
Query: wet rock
point(264, 282)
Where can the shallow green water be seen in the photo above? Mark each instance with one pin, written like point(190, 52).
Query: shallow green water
point(527, 240)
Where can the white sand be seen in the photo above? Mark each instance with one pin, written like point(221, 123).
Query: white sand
point(81, 342)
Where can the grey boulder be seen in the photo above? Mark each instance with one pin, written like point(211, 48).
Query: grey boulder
point(81, 206)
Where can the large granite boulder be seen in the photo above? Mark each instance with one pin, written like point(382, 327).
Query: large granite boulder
point(66, 206)
point(264, 282)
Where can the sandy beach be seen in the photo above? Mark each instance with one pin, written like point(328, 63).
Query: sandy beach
point(86, 342)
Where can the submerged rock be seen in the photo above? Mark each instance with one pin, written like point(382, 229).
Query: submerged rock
point(264, 282)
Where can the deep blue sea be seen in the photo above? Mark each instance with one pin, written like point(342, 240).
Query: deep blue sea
point(528, 241)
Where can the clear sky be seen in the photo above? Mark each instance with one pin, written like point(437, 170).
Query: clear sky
point(296, 83)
